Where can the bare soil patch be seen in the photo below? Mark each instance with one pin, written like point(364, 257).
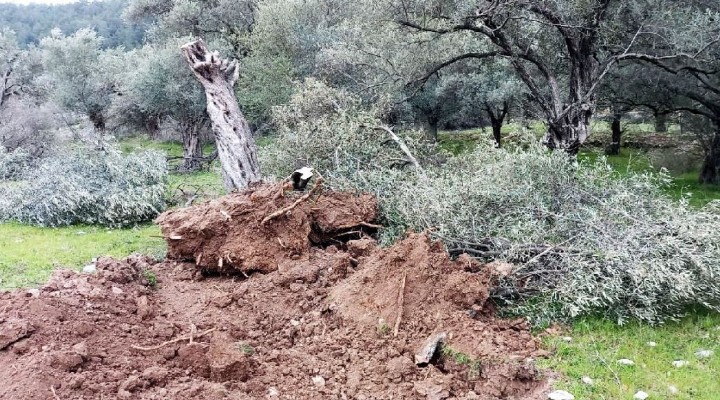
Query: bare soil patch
point(327, 317)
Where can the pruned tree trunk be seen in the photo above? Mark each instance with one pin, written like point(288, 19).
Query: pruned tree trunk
point(235, 144)
point(709, 171)
point(614, 148)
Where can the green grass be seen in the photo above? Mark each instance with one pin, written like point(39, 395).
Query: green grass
point(208, 182)
point(684, 184)
point(31, 253)
point(173, 148)
point(597, 345)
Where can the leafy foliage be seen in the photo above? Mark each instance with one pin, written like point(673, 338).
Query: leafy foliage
point(331, 130)
point(88, 187)
point(13, 163)
point(34, 21)
point(582, 238)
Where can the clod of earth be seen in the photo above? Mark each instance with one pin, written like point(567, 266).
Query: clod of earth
point(304, 327)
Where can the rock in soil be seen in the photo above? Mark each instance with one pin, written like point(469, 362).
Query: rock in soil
point(306, 328)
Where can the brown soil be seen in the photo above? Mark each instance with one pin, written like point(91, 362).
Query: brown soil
point(319, 322)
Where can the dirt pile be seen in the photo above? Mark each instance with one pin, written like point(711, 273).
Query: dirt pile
point(232, 233)
point(319, 324)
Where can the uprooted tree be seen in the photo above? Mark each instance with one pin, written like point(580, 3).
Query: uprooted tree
point(235, 144)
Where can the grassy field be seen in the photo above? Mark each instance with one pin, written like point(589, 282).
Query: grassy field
point(29, 254)
point(596, 345)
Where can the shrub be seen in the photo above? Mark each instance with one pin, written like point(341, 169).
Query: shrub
point(88, 187)
point(29, 127)
point(13, 163)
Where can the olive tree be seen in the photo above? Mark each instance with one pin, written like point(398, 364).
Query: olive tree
point(373, 59)
point(227, 21)
point(81, 76)
point(10, 55)
point(160, 87)
point(563, 50)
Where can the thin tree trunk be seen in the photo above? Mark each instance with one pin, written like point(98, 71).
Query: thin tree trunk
point(235, 144)
point(496, 121)
point(616, 128)
point(431, 129)
point(4, 90)
point(709, 171)
point(661, 122)
point(192, 148)
point(152, 126)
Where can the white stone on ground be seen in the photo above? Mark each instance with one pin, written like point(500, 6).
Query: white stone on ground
point(560, 395)
point(673, 390)
point(567, 339)
point(318, 381)
point(587, 380)
point(680, 363)
point(640, 395)
point(651, 344)
point(90, 269)
point(704, 354)
point(625, 361)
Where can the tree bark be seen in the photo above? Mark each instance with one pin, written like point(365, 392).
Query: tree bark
point(661, 122)
point(192, 148)
point(709, 171)
point(616, 128)
point(431, 128)
point(235, 144)
point(152, 126)
point(571, 131)
point(497, 118)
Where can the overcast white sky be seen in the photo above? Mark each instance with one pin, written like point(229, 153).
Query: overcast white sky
point(37, 1)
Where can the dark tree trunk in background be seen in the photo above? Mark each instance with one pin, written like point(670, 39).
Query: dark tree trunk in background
point(98, 120)
point(497, 118)
point(431, 128)
point(152, 126)
point(709, 171)
point(235, 143)
point(614, 148)
point(570, 131)
point(661, 122)
point(192, 147)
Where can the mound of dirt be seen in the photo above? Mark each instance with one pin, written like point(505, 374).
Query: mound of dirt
point(321, 323)
point(231, 233)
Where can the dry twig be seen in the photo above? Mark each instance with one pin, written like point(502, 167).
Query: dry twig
point(52, 389)
point(318, 186)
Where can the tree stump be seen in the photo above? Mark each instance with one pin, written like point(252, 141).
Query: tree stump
point(235, 145)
